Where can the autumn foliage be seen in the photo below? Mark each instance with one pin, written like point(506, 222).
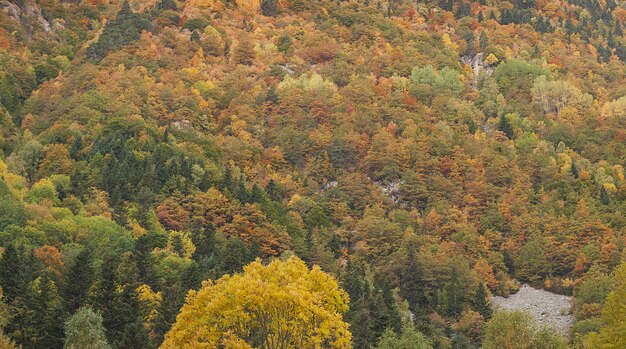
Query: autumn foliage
point(283, 304)
point(426, 155)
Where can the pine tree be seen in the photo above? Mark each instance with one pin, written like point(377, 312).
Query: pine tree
point(257, 195)
point(481, 18)
point(574, 170)
point(543, 25)
point(505, 126)
point(105, 295)
point(463, 10)
point(269, 8)
point(481, 303)
point(272, 189)
point(136, 336)
point(78, 281)
point(195, 36)
point(192, 277)
point(272, 96)
point(368, 312)
point(242, 193)
point(227, 182)
point(173, 300)
point(13, 272)
point(204, 240)
point(122, 30)
point(43, 315)
point(483, 41)
point(124, 10)
point(166, 5)
point(470, 39)
point(569, 27)
point(604, 196)
point(452, 296)
point(506, 17)
point(411, 287)
point(76, 146)
point(383, 308)
point(234, 255)
point(446, 4)
point(145, 260)
point(119, 304)
point(460, 341)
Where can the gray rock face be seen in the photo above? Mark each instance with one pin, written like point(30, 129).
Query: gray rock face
point(546, 308)
point(392, 190)
point(12, 10)
point(33, 11)
point(477, 63)
point(25, 12)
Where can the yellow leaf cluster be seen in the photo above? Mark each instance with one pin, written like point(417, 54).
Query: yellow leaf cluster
point(610, 187)
point(445, 38)
point(179, 242)
point(491, 59)
point(151, 300)
point(215, 5)
point(249, 6)
point(279, 305)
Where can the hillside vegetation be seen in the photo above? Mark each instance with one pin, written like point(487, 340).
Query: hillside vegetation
point(380, 168)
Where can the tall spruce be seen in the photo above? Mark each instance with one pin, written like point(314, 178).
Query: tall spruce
point(78, 281)
point(481, 302)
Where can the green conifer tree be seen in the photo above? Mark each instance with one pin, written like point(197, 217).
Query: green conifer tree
point(78, 281)
point(481, 303)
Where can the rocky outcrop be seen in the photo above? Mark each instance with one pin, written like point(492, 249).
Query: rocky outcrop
point(12, 10)
point(477, 63)
point(28, 13)
point(391, 190)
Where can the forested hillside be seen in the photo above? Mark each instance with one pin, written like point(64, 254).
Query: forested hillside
point(380, 168)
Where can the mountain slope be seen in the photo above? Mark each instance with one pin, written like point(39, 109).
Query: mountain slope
point(415, 150)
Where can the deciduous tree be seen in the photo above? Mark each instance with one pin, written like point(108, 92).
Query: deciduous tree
point(84, 330)
point(283, 304)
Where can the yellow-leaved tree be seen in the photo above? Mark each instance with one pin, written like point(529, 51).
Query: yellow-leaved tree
point(249, 7)
point(280, 305)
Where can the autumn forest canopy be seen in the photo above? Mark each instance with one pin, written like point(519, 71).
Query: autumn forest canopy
point(345, 174)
